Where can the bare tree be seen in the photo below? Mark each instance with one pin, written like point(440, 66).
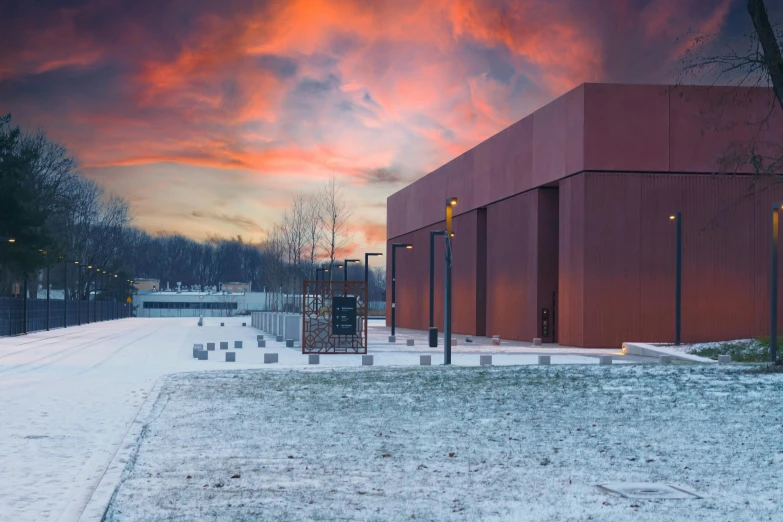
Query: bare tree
point(313, 223)
point(754, 61)
point(335, 214)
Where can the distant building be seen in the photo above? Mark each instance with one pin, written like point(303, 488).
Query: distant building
point(235, 288)
point(196, 304)
point(146, 285)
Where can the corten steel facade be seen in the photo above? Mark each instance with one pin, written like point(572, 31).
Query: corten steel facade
point(568, 211)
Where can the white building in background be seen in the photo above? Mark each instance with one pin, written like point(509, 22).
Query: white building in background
point(196, 304)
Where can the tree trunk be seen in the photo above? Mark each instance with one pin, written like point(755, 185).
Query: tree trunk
point(769, 44)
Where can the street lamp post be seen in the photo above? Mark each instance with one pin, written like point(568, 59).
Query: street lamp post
point(65, 292)
point(450, 203)
point(89, 267)
point(78, 293)
point(433, 330)
point(345, 264)
point(773, 290)
point(677, 218)
point(395, 246)
point(367, 264)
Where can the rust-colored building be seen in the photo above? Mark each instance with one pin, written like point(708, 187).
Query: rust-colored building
point(566, 213)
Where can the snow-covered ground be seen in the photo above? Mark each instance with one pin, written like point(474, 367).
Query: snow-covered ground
point(71, 395)
point(433, 443)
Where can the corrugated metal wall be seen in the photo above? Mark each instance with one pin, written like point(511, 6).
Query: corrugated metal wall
point(629, 258)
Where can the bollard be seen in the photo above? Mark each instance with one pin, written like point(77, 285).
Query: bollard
point(231, 357)
point(260, 337)
point(270, 358)
point(724, 359)
point(203, 355)
point(237, 344)
point(605, 360)
point(314, 358)
point(197, 348)
point(544, 360)
point(279, 338)
point(410, 342)
point(201, 321)
point(211, 346)
point(222, 324)
point(392, 338)
point(485, 360)
point(536, 341)
point(468, 339)
point(367, 360)
point(425, 360)
point(495, 340)
point(453, 341)
point(224, 345)
point(244, 324)
point(262, 344)
point(289, 343)
point(666, 359)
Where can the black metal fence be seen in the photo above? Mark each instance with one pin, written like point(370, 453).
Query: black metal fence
point(18, 316)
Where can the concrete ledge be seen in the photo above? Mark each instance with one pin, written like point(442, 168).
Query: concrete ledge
point(649, 350)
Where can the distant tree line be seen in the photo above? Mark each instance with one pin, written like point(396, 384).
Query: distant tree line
point(53, 216)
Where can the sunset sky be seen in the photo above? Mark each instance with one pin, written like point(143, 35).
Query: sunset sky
point(209, 115)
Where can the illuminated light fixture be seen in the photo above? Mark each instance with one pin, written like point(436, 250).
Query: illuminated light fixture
point(409, 246)
point(115, 275)
point(12, 240)
point(453, 202)
point(672, 218)
point(75, 262)
point(89, 266)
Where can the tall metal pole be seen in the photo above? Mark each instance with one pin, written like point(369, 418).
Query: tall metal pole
point(24, 313)
point(79, 295)
point(433, 331)
point(773, 291)
point(450, 203)
point(447, 303)
point(678, 284)
point(88, 294)
point(394, 290)
point(48, 302)
point(65, 293)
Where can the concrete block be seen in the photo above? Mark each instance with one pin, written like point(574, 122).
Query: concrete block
point(544, 360)
point(425, 360)
point(453, 341)
point(409, 342)
point(724, 359)
point(237, 344)
point(203, 355)
point(293, 327)
point(211, 346)
point(196, 350)
point(468, 339)
point(231, 356)
point(367, 360)
point(262, 344)
point(260, 337)
point(224, 345)
point(222, 324)
point(496, 341)
point(605, 360)
point(314, 358)
point(289, 343)
point(279, 338)
point(537, 341)
point(392, 338)
point(270, 358)
point(244, 324)
point(201, 321)
point(666, 359)
point(485, 360)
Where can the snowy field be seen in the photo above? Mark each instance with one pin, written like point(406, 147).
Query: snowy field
point(70, 396)
point(435, 443)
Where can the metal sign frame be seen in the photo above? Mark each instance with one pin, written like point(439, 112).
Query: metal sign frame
point(317, 299)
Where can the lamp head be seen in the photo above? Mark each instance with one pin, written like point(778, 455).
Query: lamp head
point(453, 202)
point(11, 240)
point(672, 217)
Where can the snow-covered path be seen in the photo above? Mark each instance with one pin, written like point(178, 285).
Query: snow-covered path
point(70, 396)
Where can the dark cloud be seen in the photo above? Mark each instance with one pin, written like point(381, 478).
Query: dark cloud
point(242, 221)
point(280, 66)
point(383, 175)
